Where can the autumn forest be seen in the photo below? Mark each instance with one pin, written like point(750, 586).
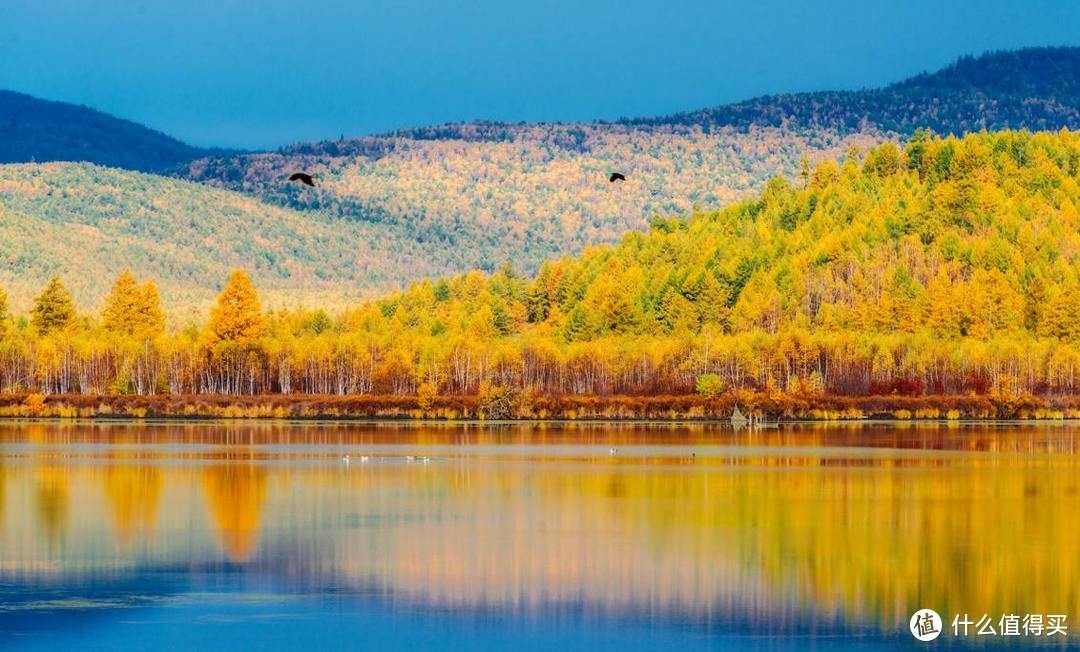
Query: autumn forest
point(943, 267)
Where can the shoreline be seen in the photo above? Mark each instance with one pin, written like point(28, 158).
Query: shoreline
point(771, 408)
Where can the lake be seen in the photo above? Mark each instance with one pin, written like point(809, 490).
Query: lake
point(217, 535)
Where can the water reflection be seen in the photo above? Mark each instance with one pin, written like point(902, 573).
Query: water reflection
point(134, 493)
point(823, 529)
point(52, 484)
point(236, 493)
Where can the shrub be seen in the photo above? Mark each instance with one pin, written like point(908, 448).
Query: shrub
point(710, 385)
point(34, 403)
point(425, 395)
point(499, 402)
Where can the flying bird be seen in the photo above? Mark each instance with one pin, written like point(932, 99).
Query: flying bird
point(302, 178)
point(615, 176)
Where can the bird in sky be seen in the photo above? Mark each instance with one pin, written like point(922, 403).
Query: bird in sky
point(302, 178)
point(616, 176)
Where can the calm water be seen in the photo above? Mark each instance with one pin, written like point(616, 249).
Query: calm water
point(534, 537)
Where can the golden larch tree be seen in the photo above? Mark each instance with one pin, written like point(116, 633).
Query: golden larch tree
point(238, 316)
point(132, 309)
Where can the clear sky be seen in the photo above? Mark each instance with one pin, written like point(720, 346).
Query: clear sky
point(263, 73)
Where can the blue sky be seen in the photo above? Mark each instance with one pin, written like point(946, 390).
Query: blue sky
point(263, 73)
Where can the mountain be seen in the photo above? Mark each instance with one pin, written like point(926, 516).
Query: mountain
point(472, 195)
point(86, 223)
point(1036, 89)
point(33, 129)
point(446, 199)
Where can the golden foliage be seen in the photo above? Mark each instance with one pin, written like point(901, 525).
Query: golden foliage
point(237, 318)
point(948, 267)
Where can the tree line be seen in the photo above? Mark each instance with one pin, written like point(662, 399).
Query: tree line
point(949, 266)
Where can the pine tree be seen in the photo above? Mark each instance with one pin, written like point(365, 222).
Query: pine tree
point(442, 290)
point(237, 317)
point(53, 308)
point(577, 326)
point(712, 302)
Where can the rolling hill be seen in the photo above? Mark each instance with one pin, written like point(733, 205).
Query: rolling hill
point(33, 129)
point(464, 204)
point(86, 223)
point(472, 195)
point(446, 199)
point(948, 266)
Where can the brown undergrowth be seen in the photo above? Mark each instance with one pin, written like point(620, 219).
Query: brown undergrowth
point(511, 404)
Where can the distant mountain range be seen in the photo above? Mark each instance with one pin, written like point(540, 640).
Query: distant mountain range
point(32, 129)
point(1036, 89)
point(443, 199)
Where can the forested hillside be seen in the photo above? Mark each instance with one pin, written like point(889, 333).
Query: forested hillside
point(543, 190)
point(472, 195)
point(1036, 89)
point(33, 129)
point(85, 223)
point(951, 265)
point(946, 266)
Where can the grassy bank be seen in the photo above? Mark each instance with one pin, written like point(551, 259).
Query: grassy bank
point(513, 405)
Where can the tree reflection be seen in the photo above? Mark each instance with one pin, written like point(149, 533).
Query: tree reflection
point(135, 493)
point(851, 525)
point(52, 501)
point(236, 493)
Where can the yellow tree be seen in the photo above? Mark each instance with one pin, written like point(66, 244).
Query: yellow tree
point(53, 308)
point(237, 317)
point(1058, 314)
point(232, 339)
point(132, 309)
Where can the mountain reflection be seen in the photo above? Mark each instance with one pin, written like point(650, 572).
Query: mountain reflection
point(854, 525)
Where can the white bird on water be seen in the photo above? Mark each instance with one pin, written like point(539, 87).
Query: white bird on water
point(364, 458)
point(612, 451)
point(345, 459)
